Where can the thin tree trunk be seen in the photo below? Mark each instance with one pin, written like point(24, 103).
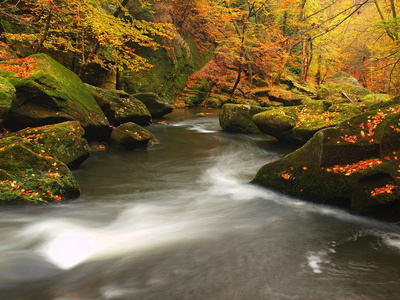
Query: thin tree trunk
point(45, 34)
point(239, 76)
point(394, 14)
point(388, 32)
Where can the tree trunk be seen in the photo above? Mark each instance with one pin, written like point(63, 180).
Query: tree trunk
point(45, 34)
point(239, 76)
point(305, 65)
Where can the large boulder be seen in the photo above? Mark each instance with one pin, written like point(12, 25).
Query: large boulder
point(342, 87)
point(120, 107)
point(47, 93)
point(154, 104)
point(296, 125)
point(131, 136)
point(239, 118)
point(7, 95)
point(355, 165)
point(29, 174)
point(286, 97)
point(63, 141)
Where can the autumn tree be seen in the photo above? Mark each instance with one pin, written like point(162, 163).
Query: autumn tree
point(94, 31)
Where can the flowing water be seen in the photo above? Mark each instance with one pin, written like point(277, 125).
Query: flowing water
point(181, 221)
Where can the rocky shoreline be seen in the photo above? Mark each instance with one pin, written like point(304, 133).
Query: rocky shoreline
point(50, 117)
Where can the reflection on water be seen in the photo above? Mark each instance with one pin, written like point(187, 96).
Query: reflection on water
point(180, 221)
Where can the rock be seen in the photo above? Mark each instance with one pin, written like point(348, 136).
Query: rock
point(154, 104)
point(296, 125)
point(355, 165)
point(375, 101)
point(342, 87)
point(132, 136)
point(48, 93)
point(239, 118)
point(30, 175)
point(343, 78)
point(288, 98)
point(97, 76)
point(120, 107)
point(63, 141)
point(7, 95)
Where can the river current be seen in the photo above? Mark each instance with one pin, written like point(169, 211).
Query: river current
point(181, 221)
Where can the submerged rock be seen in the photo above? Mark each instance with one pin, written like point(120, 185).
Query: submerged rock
point(47, 93)
point(63, 141)
point(154, 104)
point(239, 117)
point(120, 107)
point(355, 165)
point(29, 174)
point(132, 136)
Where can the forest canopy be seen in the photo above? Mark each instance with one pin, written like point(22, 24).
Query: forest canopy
point(310, 39)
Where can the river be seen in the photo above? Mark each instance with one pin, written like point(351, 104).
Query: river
point(181, 221)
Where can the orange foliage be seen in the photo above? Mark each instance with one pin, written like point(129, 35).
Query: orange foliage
point(22, 67)
point(385, 189)
point(350, 169)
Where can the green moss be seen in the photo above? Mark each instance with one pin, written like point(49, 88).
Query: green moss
point(63, 141)
point(132, 136)
point(121, 107)
point(52, 93)
point(239, 117)
point(7, 96)
point(30, 175)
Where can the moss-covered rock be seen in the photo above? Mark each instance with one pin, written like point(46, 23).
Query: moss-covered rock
point(63, 141)
point(131, 136)
point(239, 117)
point(298, 124)
point(120, 107)
point(154, 104)
point(286, 97)
point(47, 93)
point(30, 175)
point(7, 95)
point(355, 165)
point(342, 87)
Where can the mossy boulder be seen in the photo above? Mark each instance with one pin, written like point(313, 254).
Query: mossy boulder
point(7, 95)
point(286, 97)
point(355, 165)
point(154, 104)
point(342, 87)
point(120, 107)
point(131, 136)
point(239, 118)
point(375, 101)
point(29, 174)
point(63, 141)
point(48, 93)
point(296, 125)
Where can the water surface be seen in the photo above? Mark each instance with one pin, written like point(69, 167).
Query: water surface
point(181, 221)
